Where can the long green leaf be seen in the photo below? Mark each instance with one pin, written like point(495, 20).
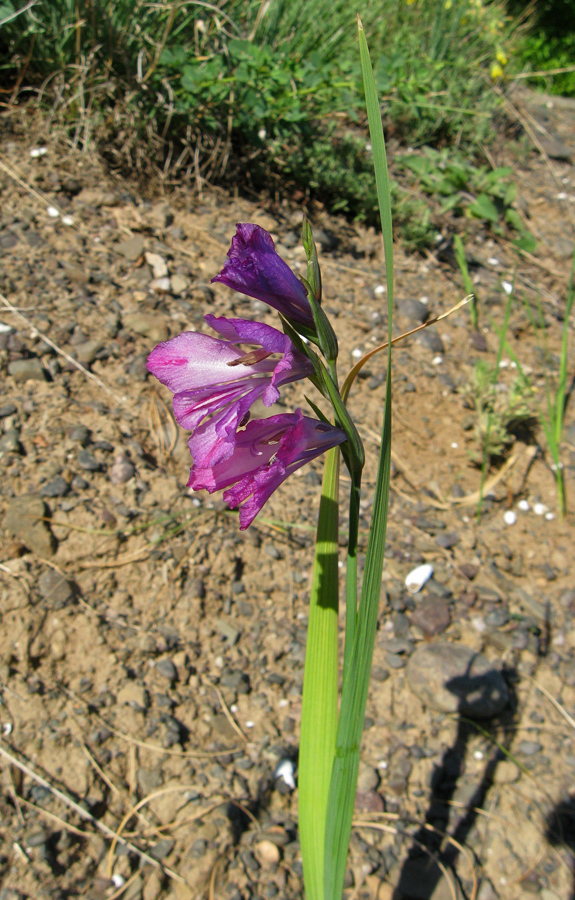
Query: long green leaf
point(319, 704)
point(358, 664)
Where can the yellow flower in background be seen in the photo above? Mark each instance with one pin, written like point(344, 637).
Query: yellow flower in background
point(501, 58)
point(448, 4)
point(496, 72)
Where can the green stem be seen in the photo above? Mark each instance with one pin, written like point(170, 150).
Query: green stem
point(559, 480)
point(319, 705)
point(351, 571)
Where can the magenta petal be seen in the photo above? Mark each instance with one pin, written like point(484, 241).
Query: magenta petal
point(215, 381)
point(254, 268)
point(264, 455)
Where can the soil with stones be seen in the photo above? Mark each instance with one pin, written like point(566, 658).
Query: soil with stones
point(152, 654)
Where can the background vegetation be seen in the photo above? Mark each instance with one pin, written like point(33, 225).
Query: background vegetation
point(269, 90)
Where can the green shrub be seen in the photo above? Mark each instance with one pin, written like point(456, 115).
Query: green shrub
point(275, 85)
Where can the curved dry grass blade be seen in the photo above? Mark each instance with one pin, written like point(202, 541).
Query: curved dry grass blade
point(352, 375)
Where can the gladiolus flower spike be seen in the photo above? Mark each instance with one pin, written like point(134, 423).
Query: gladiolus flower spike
point(215, 382)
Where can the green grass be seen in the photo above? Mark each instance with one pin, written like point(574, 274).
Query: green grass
point(267, 95)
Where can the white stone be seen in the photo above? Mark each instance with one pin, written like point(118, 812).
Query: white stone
point(53, 212)
point(509, 517)
point(285, 771)
point(524, 505)
point(418, 577)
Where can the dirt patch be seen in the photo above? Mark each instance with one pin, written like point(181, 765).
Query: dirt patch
point(152, 654)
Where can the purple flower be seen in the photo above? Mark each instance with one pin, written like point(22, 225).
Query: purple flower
point(264, 455)
point(215, 382)
point(254, 268)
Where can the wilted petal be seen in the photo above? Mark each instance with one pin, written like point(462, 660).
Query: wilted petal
point(254, 268)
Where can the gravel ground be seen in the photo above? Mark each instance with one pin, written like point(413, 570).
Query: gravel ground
point(152, 655)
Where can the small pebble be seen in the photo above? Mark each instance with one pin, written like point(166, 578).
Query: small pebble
point(509, 517)
point(507, 287)
point(284, 771)
point(549, 516)
point(37, 152)
point(493, 261)
point(524, 505)
point(417, 578)
point(539, 509)
point(53, 212)
point(437, 360)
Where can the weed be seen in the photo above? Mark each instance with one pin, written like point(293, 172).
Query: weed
point(467, 282)
point(261, 92)
point(502, 411)
point(551, 415)
point(468, 190)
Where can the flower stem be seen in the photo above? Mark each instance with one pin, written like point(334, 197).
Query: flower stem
point(351, 570)
point(319, 705)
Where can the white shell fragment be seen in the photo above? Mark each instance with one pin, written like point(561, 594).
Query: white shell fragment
point(507, 287)
point(549, 516)
point(493, 261)
point(524, 505)
point(38, 151)
point(437, 360)
point(539, 509)
point(285, 771)
point(379, 290)
point(417, 577)
point(509, 517)
point(67, 220)
point(52, 212)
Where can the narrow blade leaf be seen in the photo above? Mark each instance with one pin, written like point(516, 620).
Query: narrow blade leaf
point(358, 664)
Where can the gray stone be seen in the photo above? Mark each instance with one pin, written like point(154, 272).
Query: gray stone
point(55, 589)
point(58, 487)
point(8, 409)
point(368, 778)
point(10, 442)
point(432, 616)
point(414, 310)
point(80, 434)
point(24, 518)
point(452, 678)
point(88, 461)
point(122, 469)
point(79, 483)
point(496, 618)
point(430, 339)
point(27, 370)
point(395, 661)
point(162, 849)
point(149, 779)
point(227, 631)
point(529, 748)
point(447, 541)
point(556, 149)
point(149, 325)
point(167, 669)
point(87, 351)
point(132, 248)
point(478, 341)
